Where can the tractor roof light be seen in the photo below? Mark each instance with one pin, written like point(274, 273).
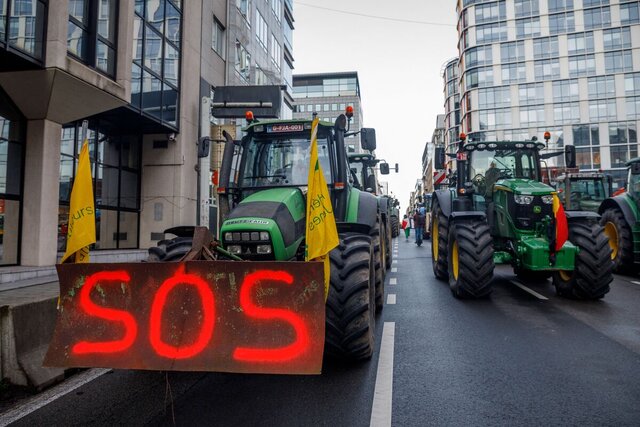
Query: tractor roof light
point(249, 116)
point(547, 136)
point(481, 146)
point(519, 145)
point(492, 145)
point(470, 147)
point(463, 136)
point(349, 111)
point(530, 145)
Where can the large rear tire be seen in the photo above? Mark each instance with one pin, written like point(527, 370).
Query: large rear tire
point(379, 249)
point(439, 238)
point(389, 243)
point(593, 270)
point(470, 259)
point(395, 226)
point(170, 249)
point(620, 238)
point(350, 310)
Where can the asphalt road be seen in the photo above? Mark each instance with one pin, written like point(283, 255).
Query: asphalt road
point(520, 357)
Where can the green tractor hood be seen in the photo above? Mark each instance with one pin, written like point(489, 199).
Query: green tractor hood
point(277, 211)
point(526, 187)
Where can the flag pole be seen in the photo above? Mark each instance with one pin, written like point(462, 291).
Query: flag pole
point(84, 131)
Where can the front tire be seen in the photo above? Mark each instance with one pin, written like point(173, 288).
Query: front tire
point(439, 238)
point(350, 309)
point(377, 241)
point(593, 267)
point(619, 236)
point(470, 259)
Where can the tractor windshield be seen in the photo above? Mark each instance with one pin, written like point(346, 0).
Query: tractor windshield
point(281, 162)
point(587, 189)
point(506, 163)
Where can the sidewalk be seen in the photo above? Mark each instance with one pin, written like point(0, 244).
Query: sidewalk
point(28, 301)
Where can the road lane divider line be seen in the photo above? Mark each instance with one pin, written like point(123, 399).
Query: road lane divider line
point(54, 393)
point(383, 392)
point(634, 282)
point(393, 281)
point(391, 299)
point(394, 269)
point(395, 261)
point(529, 291)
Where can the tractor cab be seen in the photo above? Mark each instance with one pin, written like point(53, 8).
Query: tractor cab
point(582, 191)
point(363, 172)
point(633, 186)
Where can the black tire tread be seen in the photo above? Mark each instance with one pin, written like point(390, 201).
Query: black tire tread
point(625, 238)
point(440, 265)
point(475, 259)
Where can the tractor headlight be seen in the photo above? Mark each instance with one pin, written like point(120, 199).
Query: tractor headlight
point(264, 235)
point(523, 200)
point(228, 237)
point(235, 249)
point(548, 200)
point(246, 237)
point(263, 249)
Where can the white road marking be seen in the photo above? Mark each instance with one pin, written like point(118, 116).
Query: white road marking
point(634, 282)
point(391, 299)
point(37, 402)
point(383, 393)
point(395, 261)
point(393, 281)
point(529, 291)
point(395, 270)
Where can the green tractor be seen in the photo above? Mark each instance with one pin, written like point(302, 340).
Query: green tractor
point(363, 177)
point(621, 221)
point(501, 213)
point(262, 195)
point(582, 191)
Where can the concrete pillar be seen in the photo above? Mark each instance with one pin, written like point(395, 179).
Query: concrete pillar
point(41, 195)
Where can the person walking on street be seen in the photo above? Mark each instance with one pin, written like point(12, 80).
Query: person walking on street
point(419, 219)
point(406, 228)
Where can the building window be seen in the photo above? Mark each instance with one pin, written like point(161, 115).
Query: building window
point(565, 113)
point(586, 139)
point(261, 31)
point(479, 77)
point(633, 107)
point(617, 38)
point(565, 90)
point(562, 23)
point(155, 72)
point(580, 43)
point(276, 8)
point(560, 5)
point(531, 94)
point(492, 119)
point(275, 52)
point(262, 80)
point(527, 27)
point(244, 7)
point(526, 8)
point(632, 84)
point(115, 168)
point(546, 47)
point(478, 56)
point(623, 140)
point(489, 33)
point(582, 65)
point(602, 110)
point(547, 69)
point(243, 61)
point(615, 62)
point(494, 97)
point(218, 37)
point(22, 25)
point(91, 36)
point(491, 12)
point(532, 116)
point(513, 73)
point(512, 52)
point(592, 3)
point(598, 17)
point(629, 13)
point(601, 87)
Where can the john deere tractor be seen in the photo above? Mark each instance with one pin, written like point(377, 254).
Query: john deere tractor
point(501, 213)
point(262, 199)
point(582, 191)
point(621, 221)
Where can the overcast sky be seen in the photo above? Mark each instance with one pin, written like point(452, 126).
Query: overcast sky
point(398, 59)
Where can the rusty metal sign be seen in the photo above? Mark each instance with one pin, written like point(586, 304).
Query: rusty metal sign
point(226, 316)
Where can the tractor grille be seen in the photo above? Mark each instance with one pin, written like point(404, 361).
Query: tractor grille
point(525, 217)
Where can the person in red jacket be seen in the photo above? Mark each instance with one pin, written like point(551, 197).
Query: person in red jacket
point(407, 229)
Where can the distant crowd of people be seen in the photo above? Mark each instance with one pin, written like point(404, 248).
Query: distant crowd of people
point(418, 222)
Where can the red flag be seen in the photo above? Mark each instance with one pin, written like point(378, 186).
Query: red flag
point(562, 228)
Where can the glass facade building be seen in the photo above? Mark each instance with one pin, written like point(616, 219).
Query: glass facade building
point(566, 66)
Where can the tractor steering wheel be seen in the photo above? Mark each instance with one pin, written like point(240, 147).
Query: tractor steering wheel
point(506, 173)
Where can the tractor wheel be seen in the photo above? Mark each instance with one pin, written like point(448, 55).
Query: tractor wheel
point(379, 250)
point(593, 267)
point(439, 238)
point(170, 249)
point(395, 224)
point(350, 309)
point(620, 239)
point(389, 244)
point(470, 259)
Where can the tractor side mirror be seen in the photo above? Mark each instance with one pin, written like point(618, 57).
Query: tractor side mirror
point(439, 158)
point(384, 168)
point(570, 156)
point(368, 139)
point(397, 168)
point(204, 143)
point(635, 168)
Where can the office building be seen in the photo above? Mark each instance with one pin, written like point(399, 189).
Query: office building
point(571, 67)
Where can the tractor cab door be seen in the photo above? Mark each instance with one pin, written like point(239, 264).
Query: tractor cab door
point(634, 183)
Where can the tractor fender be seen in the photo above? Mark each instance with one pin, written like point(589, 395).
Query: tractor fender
point(362, 213)
point(384, 207)
point(444, 201)
point(582, 215)
point(622, 204)
point(460, 216)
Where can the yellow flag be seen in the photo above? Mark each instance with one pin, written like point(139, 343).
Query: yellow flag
point(82, 214)
point(321, 232)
